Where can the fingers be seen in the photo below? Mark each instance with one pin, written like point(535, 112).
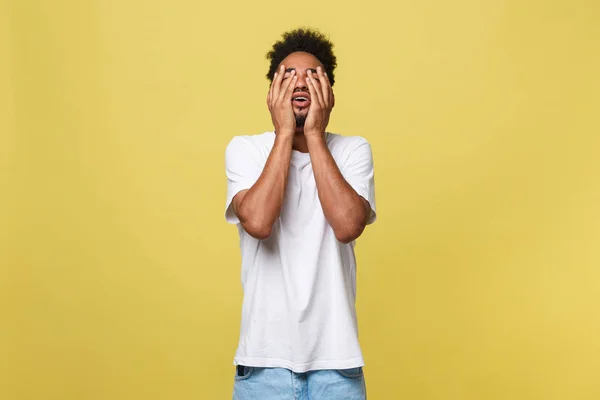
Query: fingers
point(287, 86)
point(277, 82)
point(331, 94)
point(315, 92)
point(290, 89)
point(325, 86)
point(315, 103)
point(269, 93)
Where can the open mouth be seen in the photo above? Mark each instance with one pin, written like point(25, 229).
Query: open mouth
point(301, 101)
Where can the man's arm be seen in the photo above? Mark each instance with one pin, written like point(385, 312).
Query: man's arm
point(259, 207)
point(345, 210)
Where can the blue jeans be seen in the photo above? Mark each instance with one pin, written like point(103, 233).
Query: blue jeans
point(254, 383)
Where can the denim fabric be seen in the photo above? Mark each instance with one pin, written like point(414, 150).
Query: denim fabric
point(282, 384)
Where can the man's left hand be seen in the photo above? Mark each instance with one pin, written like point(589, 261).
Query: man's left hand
point(321, 103)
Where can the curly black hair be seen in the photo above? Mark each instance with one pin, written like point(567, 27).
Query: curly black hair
point(307, 40)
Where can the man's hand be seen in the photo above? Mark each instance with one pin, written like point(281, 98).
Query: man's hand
point(279, 100)
point(321, 103)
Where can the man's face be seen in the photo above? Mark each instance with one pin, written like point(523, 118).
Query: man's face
point(302, 63)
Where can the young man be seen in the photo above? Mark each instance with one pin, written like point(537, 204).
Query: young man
point(300, 197)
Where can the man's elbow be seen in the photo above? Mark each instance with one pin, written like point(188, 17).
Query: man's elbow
point(257, 230)
point(349, 233)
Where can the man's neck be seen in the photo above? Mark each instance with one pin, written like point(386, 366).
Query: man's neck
point(300, 142)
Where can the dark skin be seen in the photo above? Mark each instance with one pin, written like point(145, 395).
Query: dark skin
point(301, 75)
point(304, 69)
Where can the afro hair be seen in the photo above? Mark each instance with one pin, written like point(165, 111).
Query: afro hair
point(306, 40)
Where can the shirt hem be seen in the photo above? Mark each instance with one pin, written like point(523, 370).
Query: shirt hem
point(299, 367)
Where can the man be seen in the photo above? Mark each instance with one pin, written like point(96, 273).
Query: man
point(300, 197)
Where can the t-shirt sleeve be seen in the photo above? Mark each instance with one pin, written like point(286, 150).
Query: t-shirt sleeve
point(358, 171)
point(243, 168)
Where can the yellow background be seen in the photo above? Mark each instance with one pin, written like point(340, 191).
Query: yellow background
point(120, 277)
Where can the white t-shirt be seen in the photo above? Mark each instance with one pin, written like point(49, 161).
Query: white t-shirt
point(299, 285)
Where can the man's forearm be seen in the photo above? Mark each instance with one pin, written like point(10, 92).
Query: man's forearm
point(261, 205)
point(344, 209)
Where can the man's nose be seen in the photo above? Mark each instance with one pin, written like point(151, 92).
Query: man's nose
point(301, 82)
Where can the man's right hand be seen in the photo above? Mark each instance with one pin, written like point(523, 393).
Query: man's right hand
point(279, 100)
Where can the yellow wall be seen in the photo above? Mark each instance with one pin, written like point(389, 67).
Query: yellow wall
point(120, 277)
